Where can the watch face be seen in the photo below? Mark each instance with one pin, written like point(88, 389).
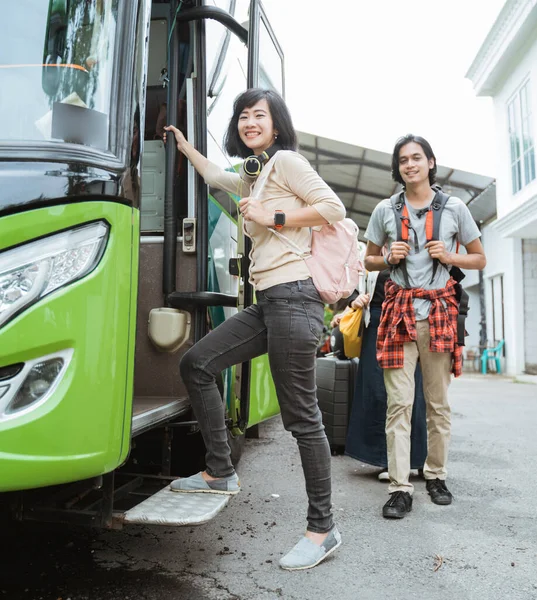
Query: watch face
point(279, 219)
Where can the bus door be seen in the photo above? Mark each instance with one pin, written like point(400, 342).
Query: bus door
point(184, 284)
point(158, 390)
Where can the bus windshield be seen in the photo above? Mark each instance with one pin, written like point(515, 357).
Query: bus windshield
point(56, 68)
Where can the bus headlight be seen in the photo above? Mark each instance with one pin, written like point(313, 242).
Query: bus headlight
point(35, 269)
point(37, 384)
point(26, 386)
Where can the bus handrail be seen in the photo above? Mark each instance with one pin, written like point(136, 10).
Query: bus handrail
point(217, 14)
point(191, 300)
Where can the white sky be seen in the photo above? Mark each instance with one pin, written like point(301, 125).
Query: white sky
point(368, 71)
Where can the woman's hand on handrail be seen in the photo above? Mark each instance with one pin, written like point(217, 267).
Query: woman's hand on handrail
point(199, 162)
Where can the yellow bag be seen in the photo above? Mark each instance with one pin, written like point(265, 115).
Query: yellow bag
point(352, 330)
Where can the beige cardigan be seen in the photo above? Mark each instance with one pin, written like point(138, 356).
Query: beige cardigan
point(291, 183)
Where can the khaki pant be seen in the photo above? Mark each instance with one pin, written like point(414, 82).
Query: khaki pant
point(436, 370)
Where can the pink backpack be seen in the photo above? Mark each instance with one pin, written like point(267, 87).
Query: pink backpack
point(334, 262)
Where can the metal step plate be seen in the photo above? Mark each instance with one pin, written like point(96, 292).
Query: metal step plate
point(150, 411)
point(175, 508)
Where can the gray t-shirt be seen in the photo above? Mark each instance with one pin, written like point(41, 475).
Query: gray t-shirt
point(457, 224)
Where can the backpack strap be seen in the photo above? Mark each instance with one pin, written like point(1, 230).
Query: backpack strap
point(438, 204)
point(437, 215)
point(401, 224)
point(433, 228)
point(259, 184)
point(398, 202)
point(292, 246)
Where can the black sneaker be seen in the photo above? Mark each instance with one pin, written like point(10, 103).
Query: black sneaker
point(438, 491)
point(397, 506)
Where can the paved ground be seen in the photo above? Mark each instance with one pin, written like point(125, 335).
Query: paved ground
point(483, 547)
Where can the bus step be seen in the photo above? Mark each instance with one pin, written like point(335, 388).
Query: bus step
point(175, 508)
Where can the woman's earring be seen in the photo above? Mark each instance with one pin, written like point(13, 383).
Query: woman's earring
point(275, 136)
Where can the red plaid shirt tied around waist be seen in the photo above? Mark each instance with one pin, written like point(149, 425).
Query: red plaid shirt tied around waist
point(398, 324)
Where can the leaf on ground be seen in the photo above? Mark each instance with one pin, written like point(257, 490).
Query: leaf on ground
point(438, 562)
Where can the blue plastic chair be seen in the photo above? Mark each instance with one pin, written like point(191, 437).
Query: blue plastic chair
point(492, 354)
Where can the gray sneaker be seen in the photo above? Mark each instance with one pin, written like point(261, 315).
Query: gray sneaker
point(195, 483)
point(307, 554)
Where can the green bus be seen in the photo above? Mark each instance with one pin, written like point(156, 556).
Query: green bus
point(114, 255)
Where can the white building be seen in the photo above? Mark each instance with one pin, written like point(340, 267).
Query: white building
point(505, 69)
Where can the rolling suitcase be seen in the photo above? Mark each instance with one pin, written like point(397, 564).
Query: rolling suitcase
point(335, 390)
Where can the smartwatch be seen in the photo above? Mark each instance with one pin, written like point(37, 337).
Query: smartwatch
point(279, 219)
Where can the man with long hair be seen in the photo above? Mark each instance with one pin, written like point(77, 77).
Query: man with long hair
point(419, 314)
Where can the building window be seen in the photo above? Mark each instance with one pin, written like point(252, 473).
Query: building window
point(521, 139)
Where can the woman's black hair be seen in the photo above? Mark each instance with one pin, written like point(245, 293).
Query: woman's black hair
point(403, 141)
point(281, 119)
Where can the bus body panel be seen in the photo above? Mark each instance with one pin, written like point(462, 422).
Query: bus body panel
point(131, 342)
point(83, 429)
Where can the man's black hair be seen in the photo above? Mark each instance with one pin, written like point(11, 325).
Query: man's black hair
point(403, 141)
point(281, 120)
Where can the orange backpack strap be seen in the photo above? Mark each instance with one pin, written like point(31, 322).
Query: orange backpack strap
point(401, 223)
point(405, 219)
point(429, 225)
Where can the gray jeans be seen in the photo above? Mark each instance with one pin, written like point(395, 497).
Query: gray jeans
point(286, 322)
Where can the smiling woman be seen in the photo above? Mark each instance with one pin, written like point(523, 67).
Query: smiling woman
point(287, 321)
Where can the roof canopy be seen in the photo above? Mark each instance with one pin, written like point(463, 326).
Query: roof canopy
point(361, 177)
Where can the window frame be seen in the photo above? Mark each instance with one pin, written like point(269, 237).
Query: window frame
point(519, 129)
point(258, 17)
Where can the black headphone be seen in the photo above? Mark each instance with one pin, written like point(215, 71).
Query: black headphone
point(253, 164)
